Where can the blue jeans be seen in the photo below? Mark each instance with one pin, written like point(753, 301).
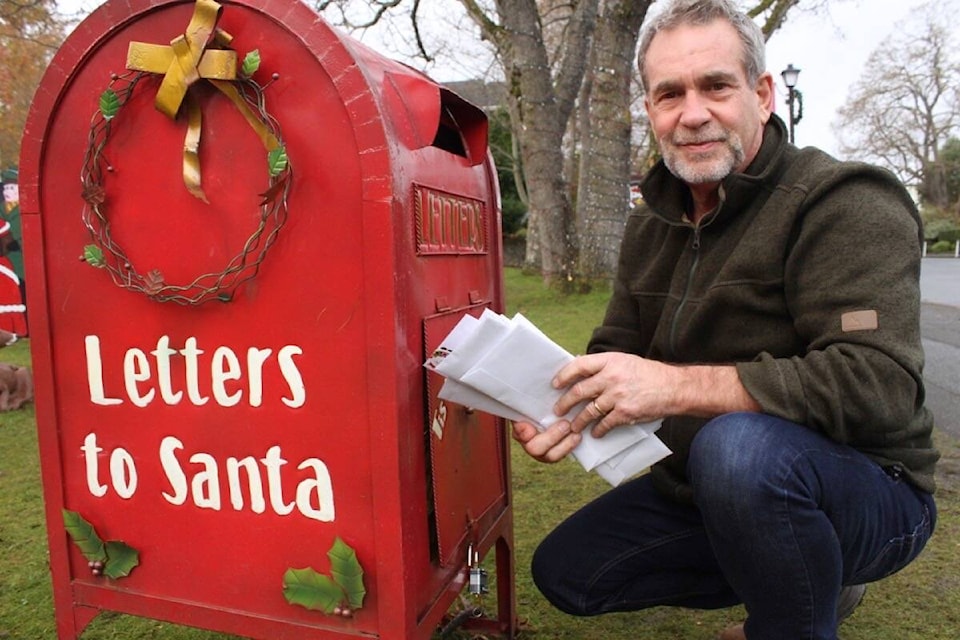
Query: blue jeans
point(783, 517)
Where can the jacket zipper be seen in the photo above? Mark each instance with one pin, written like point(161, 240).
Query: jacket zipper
point(686, 292)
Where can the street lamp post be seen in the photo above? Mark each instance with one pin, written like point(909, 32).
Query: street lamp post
point(794, 97)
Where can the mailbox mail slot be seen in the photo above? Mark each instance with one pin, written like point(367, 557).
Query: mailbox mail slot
point(228, 340)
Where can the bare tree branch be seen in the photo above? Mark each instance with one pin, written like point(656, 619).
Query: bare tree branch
point(415, 23)
point(906, 106)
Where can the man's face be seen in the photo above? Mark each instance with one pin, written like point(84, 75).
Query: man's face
point(707, 118)
point(11, 192)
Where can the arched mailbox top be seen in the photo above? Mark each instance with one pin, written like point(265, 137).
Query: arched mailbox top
point(393, 108)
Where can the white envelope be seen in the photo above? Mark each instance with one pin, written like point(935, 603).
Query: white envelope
point(453, 391)
point(632, 461)
point(517, 370)
point(469, 338)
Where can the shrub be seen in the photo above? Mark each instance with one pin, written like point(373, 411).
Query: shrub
point(949, 235)
point(941, 246)
point(934, 227)
point(514, 216)
point(937, 221)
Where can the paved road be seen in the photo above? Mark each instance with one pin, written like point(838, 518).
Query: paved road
point(940, 324)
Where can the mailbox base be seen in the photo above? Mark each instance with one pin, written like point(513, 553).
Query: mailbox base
point(87, 600)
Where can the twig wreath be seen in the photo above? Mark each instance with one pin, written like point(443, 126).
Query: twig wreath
point(203, 52)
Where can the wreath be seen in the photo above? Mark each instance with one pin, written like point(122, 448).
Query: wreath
point(204, 49)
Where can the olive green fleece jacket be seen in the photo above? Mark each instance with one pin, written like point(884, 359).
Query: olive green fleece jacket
point(784, 279)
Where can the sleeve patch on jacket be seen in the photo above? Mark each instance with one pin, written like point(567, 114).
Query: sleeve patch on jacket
point(859, 320)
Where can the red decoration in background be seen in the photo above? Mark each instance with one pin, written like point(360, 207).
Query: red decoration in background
point(13, 311)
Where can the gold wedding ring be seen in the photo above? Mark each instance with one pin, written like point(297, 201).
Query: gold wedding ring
point(596, 408)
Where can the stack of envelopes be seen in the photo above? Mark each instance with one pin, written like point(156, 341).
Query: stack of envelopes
point(504, 366)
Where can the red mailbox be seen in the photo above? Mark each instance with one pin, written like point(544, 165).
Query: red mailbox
point(245, 234)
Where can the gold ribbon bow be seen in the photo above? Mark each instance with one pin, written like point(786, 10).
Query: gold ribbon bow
point(200, 53)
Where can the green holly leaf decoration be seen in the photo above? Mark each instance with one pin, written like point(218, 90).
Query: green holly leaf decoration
point(121, 559)
point(109, 104)
point(93, 256)
point(277, 161)
point(347, 572)
point(85, 537)
point(251, 62)
point(312, 590)
point(118, 559)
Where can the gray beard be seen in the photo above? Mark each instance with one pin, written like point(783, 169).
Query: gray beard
point(713, 170)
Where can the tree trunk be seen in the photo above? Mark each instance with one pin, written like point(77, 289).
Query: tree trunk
point(603, 191)
point(933, 189)
point(542, 107)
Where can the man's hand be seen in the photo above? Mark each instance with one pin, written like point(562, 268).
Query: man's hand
point(621, 388)
point(550, 445)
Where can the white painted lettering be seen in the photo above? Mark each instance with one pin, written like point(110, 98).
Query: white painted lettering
point(255, 359)
point(225, 367)
point(151, 375)
point(95, 372)
point(314, 493)
point(298, 394)
point(254, 484)
point(123, 473)
point(90, 455)
point(123, 469)
point(206, 484)
point(318, 487)
point(191, 354)
point(171, 468)
point(273, 462)
point(162, 354)
point(136, 369)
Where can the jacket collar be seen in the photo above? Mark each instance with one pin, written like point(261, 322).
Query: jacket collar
point(669, 198)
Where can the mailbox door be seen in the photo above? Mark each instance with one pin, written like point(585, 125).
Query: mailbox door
point(467, 458)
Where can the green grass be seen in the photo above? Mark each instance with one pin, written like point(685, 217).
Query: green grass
point(920, 603)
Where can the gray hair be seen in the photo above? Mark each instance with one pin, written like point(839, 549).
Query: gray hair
point(702, 12)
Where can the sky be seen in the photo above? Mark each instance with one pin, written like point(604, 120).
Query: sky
point(830, 48)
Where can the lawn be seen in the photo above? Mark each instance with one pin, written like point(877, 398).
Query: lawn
point(922, 602)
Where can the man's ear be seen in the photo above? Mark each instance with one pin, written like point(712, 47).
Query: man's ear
point(765, 95)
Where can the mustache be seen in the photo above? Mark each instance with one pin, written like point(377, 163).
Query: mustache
point(698, 137)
